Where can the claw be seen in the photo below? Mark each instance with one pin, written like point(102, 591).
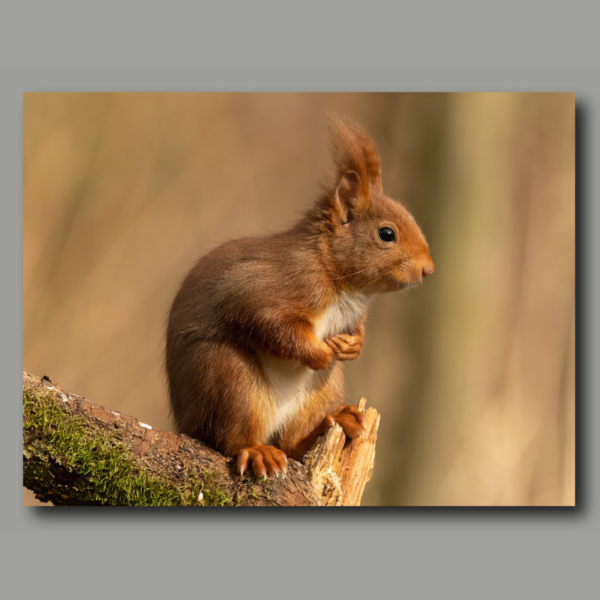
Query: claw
point(264, 460)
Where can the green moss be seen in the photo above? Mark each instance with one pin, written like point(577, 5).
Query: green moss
point(217, 497)
point(212, 494)
point(251, 495)
point(113, 475)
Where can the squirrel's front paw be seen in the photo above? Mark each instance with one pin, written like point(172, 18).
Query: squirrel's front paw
point(346, 347)
point(265, 459)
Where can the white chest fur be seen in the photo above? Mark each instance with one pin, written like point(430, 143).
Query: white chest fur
point(292, 382)
point(343, 315)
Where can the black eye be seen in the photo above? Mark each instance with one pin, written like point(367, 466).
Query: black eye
point(387, 234)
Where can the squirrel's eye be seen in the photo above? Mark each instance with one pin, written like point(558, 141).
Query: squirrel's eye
point(387, 234)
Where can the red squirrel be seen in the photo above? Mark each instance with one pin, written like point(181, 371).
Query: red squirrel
point(260, 326)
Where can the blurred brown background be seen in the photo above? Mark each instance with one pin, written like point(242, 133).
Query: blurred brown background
point(473, 373)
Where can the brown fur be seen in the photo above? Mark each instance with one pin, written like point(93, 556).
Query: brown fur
point(247, 315)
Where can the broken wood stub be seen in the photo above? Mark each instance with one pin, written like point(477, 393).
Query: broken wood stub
point(338, 469)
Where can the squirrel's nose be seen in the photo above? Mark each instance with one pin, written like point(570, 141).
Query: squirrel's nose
point(427, 270)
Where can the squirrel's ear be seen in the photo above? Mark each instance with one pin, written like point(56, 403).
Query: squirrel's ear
point(348, 198)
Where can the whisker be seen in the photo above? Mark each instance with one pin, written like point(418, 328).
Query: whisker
point(350, 274)
point(426, 217)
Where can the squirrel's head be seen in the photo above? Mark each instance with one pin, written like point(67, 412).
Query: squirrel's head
point(374, 242)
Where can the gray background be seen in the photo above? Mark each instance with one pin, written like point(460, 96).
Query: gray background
point(309, 46)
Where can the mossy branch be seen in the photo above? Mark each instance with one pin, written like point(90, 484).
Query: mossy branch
point(79, 453)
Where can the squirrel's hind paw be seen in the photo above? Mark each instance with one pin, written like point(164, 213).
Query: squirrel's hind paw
point(352, 421)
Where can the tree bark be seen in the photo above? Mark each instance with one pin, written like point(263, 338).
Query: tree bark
point(79, 453)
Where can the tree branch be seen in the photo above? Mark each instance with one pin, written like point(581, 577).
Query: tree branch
point(79, 453)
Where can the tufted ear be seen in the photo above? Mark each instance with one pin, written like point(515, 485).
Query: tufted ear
point(372, 160)
point(354, 150)
point(349, 199)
